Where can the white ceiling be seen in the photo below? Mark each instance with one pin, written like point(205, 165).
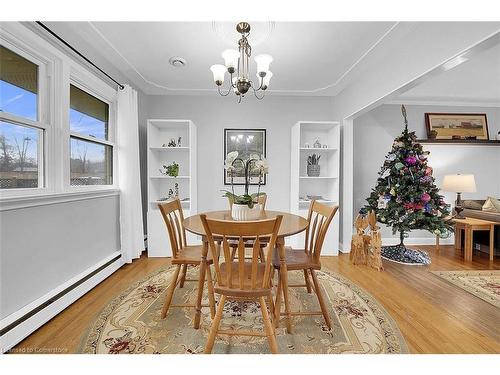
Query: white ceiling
point(476, 81)
point(310, 58)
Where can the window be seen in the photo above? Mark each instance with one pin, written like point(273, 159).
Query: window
point(21, 133)
point(91, 151)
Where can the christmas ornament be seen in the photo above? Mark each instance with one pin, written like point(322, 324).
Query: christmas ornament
point(399, 166)
point(411, 160)
point(428, 171)
point(425, 197)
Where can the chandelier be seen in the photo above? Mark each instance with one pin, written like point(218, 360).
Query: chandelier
point(237, 62)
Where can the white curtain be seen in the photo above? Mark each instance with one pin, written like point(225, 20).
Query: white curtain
point(129, 179)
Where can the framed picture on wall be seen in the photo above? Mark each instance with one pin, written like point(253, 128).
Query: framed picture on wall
point(457, 125)
point(250, 143)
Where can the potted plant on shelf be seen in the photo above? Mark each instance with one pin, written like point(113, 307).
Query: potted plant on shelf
point(313, 167)
point(245, 207)
point(171, 170)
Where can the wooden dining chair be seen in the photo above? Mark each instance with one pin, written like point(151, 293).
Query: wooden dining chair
point(307, 260)
point(261, 199)
point(183, 256)
point(242, 279)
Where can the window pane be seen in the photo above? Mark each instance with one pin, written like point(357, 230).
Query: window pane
point(88, 115)
point(18, 156)
point(18, 85)
point(91, 163)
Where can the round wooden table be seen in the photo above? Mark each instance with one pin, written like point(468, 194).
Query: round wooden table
point(290, 225)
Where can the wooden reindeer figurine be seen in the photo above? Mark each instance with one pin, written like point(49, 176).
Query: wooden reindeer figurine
point(358, 253)
point(375, 243)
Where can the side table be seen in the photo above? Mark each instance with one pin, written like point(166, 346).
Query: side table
point(469, 225)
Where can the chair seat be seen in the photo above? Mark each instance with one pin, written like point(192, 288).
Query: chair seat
point(191, 255)
point(296, 260)
point(235, 277)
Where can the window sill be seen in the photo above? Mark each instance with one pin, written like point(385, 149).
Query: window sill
point(25, 201)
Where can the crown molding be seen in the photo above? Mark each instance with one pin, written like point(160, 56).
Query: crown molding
point(275, 91)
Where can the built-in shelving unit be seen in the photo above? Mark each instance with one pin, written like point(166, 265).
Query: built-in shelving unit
point(160, 132)
point(325, 185)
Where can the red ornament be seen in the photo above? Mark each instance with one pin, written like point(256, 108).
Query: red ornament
point(428, 171)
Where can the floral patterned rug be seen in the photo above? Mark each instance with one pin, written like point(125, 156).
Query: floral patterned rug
point(483, 284)
point(131, 322)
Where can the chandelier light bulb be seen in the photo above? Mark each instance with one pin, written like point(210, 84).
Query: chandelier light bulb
point(218, 71)
point(231, 57)
point(263, 61)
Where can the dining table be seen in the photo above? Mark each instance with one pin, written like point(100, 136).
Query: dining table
point(291, 224)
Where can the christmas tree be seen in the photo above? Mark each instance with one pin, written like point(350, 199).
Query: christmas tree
point(406, 197)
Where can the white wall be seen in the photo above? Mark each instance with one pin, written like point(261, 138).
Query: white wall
point(212, 113)
point(42, 247)
point(375, 131)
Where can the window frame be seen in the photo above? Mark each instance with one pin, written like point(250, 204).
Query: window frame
point(98, 89)
point(57, 70)
point(42, 122)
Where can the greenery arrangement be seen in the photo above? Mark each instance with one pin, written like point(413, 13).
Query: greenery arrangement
point(405, 196)
point(171, 170)
point(254, 164)
point(313, 159)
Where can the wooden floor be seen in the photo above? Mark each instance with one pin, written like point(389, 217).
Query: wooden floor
point(433, 315)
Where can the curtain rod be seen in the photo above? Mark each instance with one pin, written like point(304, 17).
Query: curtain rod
point(79, 54)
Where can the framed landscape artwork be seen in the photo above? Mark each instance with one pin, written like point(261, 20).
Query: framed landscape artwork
point(457, 125)
point(249, 143)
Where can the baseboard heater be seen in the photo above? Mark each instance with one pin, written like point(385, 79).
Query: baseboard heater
point(56, 298)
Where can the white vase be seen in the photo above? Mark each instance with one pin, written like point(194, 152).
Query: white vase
point(241, 212)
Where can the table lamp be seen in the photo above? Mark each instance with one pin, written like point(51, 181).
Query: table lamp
point(459, 183)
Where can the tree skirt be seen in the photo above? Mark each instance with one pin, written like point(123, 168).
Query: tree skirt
point(404, 255)
point(131, 322)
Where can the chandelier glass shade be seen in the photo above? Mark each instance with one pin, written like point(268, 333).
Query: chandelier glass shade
point(236, 63)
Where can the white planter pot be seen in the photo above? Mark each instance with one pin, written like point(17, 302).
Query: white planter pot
point(241, 212)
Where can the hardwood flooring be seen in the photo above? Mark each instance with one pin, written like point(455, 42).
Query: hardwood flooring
point(433, 315)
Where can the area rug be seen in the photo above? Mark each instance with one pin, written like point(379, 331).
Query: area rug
point(131, 322)
point(403, 255)
point(483, 284)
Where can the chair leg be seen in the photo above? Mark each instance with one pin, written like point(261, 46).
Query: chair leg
point(277, 305)
point(268, 326)
point(261, 255)
point(271, 307)
point(215, 326)
point(211, 295)
point(324, 310)
point(284, 281)
point(183, 275)
point(170, 292)
point(233, 253)
point(308, 282)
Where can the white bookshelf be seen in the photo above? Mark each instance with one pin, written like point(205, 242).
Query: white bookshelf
point(325, 185)
point(160, 131)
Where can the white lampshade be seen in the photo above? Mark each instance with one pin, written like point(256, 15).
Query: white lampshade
point(459, 183)
point(263, 62)
point(231, 57)
point(218, 70)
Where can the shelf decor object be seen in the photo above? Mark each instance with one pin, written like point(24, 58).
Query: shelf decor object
point(313, 167)
point(457, 126)
point(171, 173)
point(322, 184)
point(237, 62)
